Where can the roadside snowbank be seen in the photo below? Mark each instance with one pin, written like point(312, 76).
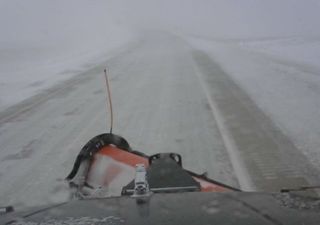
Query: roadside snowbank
point(303, 51)
point(283, 77)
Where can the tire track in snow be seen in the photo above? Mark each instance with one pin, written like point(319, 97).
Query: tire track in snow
point(256, 145)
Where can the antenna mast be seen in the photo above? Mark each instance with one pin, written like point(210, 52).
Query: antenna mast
point(109, 98)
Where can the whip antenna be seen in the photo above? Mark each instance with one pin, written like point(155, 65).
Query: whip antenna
point(109, 98)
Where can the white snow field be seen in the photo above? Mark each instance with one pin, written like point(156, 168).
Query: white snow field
point(232, 86)
point(45, 42)
point(283, 77)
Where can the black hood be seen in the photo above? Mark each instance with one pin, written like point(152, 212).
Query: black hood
point(178, 209)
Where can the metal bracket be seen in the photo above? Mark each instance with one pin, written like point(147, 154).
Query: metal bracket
point(141, 185)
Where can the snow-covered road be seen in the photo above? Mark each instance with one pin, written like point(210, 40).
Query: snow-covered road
point(168, 97)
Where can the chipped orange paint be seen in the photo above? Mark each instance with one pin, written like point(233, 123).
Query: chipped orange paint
point(112, 173)
point(209, 187)
point(123, 156)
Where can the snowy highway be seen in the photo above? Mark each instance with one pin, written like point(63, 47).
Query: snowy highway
point(168, 97)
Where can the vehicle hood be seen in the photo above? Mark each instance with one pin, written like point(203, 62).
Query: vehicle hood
point(178, 208)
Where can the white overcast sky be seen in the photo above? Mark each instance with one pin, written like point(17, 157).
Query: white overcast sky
point(38, 21)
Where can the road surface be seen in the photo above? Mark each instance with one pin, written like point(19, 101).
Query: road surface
point(168, 97)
